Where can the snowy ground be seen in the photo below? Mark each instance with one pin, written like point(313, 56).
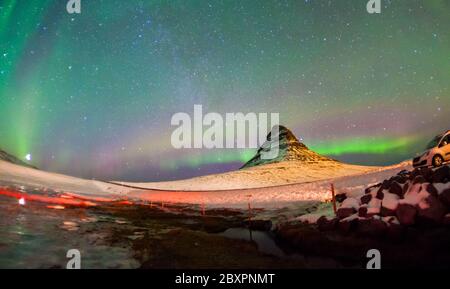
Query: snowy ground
point(15, 174)
point(312, 187)
point(276, 174)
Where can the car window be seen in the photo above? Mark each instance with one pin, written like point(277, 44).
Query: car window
point(447, 139)
point(434, 142)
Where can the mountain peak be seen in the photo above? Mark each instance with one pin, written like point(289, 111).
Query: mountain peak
point(290, 149)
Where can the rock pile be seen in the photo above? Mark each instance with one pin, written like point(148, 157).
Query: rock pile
point(419, 197)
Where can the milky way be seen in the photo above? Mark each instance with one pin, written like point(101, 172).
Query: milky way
point(92, 94)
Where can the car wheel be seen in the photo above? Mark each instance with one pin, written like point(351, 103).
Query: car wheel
point(437, 161)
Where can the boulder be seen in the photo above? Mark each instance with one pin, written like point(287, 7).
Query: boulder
point(385, 212)
point(441, 175)
point(343, 213)
point(414, 174)
point(362, 211)
point(372, 188)
point(401, 179)
point(365, 199)
point(419, 179)
point(341, 197)
point(406, 214)
point(431, 189)
point(444, 197)
point(424, 173)
point(389, 205)
point(413, 190)
point(348, 208)
point(373, 207)
point(396, 189)
point(427, 173)
point(404, 173)
point(385, 185)
point(431, 209)
point(380, 194)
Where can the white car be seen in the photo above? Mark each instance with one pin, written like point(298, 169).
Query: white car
point(437, 152)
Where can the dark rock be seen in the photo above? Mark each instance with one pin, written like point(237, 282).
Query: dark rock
point(385, 212)
point(403, 173)
point(414, 174)
point(427, 173)
point(406, 214)
point(385, 185)
point(396, 189)
point(401, 179)
point(341, 197)
point(419, 180)
point(365, 199)
point(434, 212)
point(323, 224)
point(431, 189)
point(343, 213)
point(380, 194)
point(444, 197)
point(371, 227)
point(368, 190)
point(441, 175)
point(362, 211)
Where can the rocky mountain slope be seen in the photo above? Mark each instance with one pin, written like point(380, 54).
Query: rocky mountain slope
point(289, 149)
point(295, 163)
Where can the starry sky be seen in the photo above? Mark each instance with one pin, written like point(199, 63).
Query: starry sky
point(92, 94)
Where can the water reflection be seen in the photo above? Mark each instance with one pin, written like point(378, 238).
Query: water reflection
point(263, 240)
point(36, 236)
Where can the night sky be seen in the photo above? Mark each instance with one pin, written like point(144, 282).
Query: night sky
point(92, 94)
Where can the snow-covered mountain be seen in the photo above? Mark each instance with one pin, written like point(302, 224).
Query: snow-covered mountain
point(4, 156)
point(289, 149)
point(270, 185)
point(294, 164)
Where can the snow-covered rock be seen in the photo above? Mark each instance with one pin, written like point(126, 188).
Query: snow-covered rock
point(365, 199)
point(288, 148)
point(431, 209)
point(348, 207)
point(389, 204)
point(406, 213)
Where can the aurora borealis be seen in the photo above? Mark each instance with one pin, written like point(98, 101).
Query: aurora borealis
point(92, 94)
